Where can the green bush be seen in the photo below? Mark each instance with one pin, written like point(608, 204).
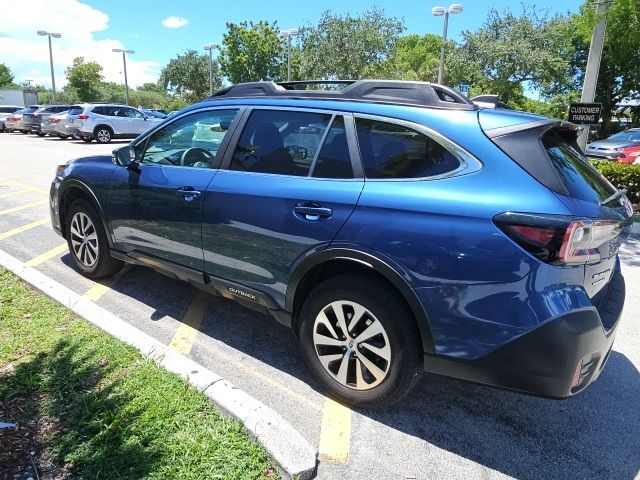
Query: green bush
point(622, 175)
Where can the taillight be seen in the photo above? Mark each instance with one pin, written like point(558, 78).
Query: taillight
point(83, 117)
point(583, 237)
point(557, 239)
point(55, 120)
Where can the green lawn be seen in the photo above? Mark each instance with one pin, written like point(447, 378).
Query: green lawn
point(91, 407)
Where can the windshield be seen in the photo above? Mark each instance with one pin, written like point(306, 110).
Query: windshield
point(628, 136)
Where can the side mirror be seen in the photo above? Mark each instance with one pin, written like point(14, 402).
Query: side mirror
point(124, 156)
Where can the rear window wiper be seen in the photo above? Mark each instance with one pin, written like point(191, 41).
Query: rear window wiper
point(618, 194)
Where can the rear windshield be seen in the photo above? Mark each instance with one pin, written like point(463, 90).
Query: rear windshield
point(582, 180)
point(75, 110)
point(8, 109)
point(30, 109)
point(628, 136)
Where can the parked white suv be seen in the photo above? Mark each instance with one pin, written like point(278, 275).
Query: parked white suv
point(105, 121)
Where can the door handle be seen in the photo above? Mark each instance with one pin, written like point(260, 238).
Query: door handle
point(188, 193)
point(312, 212)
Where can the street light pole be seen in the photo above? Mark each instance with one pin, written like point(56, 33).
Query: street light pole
point(593, 65)
point(210, 47)
point(124, 63)
point(44, 33)
point(439, 12)
point(292, 32)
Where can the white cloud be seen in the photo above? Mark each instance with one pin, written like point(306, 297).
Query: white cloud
point(174, 22)
point(27, 54)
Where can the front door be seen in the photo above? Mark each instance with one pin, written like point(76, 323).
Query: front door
point(157, 208)
point(289, 189)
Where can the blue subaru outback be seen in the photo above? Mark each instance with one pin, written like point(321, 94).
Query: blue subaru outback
point(395, 226)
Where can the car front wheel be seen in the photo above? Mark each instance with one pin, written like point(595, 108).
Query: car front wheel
point(361, 341)
point(87, 241)
point(103, 135)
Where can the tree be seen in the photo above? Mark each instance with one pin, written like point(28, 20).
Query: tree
point(252, 51)
point(412, 57)
point(6, 77)
point(348, 47)
point(509, 53)
point(85, 78)
point(187, 76)
point(620, 65)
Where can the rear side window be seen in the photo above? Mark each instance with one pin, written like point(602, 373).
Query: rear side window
point(582, 180)
point(390, 150)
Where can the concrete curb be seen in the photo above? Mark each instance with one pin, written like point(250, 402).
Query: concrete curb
point(295, 455)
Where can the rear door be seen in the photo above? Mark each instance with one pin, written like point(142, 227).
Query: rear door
point(290, 185)
point(550, 154)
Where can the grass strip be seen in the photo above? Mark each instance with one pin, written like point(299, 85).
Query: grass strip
point(98, 410)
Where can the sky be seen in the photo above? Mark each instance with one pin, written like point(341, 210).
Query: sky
point(157, 30)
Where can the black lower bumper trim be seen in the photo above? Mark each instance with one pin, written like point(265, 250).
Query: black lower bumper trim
point(544, 361)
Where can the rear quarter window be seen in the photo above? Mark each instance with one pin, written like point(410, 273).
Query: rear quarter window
point(393, 151)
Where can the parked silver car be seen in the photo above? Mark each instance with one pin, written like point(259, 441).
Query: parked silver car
point(13, 123)
point(108, 121)
point(5, 111)
point(49, 124)
point(609, 148)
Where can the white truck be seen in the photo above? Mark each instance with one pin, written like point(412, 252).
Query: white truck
point(22, 98)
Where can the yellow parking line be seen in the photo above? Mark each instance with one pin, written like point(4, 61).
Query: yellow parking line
point(186, 333)
point(24, 228)
point(16, 193)
point(23, 207)
point(54, 252)
point(26, 186)
point(99, 289)
point(335, 432)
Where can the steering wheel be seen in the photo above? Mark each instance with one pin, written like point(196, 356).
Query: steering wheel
point(195, 155)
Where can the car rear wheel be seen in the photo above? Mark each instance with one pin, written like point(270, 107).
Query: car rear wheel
point(63, 137)
point(24, 132)
point(103, 135)
point(40, 134)
point(86, 139)
point(360, 341)
point(87, 241)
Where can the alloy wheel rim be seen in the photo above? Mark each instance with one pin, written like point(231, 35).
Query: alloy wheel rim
point(84, 239)
point(104, 135)
point(352, 345)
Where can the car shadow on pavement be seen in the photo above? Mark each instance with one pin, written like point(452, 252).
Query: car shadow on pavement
point(630, 251)
point(595, 434)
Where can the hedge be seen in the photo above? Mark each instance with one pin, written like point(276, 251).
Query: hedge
point(622, 175)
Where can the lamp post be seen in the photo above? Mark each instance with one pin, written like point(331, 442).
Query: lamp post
point(124, 63)
point(210, 47)
point(44, 33)
point(292, 32)
point(438, 12)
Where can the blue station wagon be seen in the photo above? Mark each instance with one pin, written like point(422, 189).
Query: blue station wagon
point(396, 227)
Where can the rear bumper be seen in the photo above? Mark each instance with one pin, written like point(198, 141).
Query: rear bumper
point(557, 360)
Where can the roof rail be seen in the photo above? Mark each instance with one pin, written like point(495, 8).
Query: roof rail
point(422, 94)
point(490, 101)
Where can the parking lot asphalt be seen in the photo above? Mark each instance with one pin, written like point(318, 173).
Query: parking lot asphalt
point(443, 429)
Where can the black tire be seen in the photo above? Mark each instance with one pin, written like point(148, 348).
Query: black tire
point(105, 265)
point(86, 139)
point(103, 134)
point(63, 137)
point(24, 132)
point(404, 368)
point(40, 134)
